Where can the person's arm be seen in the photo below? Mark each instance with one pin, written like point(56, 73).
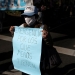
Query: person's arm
point(12, 29)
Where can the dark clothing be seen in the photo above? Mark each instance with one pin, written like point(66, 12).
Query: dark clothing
point(46, 51)
point(45, 13)
point(46, 18)
point(46, 44)
point(39, 3)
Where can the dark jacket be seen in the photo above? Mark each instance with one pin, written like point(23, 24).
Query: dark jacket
point(39, 3)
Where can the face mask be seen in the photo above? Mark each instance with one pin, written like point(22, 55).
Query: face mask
point(30, 20)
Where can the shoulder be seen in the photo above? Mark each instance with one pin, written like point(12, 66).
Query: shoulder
point(23, 25)
point(37, 25)
point(43, 26)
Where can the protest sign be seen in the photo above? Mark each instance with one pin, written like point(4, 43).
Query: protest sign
point(27, 44)
point(14, 4)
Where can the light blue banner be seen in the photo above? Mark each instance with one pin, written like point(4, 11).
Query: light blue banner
point(12, 4)
point(27, 44)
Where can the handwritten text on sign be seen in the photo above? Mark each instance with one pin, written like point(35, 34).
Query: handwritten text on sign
point(27, 50)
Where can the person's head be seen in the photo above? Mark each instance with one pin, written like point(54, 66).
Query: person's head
point(30, 14)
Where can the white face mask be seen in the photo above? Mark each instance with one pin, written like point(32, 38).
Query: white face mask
point(30, 20)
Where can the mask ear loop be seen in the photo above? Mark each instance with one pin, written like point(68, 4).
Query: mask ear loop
point(34, 20)
point(31, 21)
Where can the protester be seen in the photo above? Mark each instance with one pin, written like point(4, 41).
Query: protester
point(44, 11)
point(30, 16)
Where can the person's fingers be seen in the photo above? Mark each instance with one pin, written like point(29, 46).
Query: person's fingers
point(11, 28)
point(44, 34)
point(44, 31)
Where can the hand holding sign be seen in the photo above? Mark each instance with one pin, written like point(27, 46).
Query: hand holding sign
point(12, 29)
point(44, 34)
